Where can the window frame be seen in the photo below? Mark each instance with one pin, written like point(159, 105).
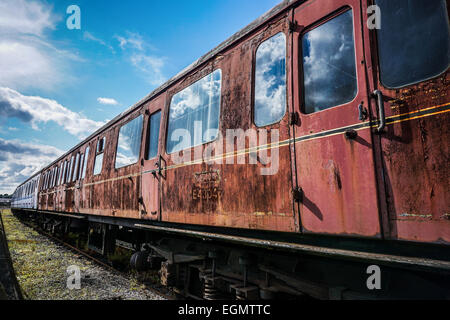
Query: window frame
point(255, 51)
point(86, 159)
point(71, 165)
point(97, 153)
point(169, 108)
point(378, 60)
point(76, 167)
point(140, 145)
point(147, 144)
point(63, 179)
point(301, 71)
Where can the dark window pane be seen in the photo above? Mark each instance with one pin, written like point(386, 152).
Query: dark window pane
point(63, 178)
point(270, 81)
point(98, 165)
point(329, 64)
point(129, 145)
point(155, 123)
point(75, 168)
point(86, 157)
point(70, 171)
point(413, 41)
point(194, 114)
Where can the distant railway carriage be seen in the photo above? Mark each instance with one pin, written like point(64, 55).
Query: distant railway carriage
point(338, 160)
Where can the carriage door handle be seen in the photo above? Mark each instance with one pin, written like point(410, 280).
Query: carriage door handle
point(379, 96)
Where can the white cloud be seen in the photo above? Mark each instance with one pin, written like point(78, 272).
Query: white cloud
point(37, 110)
point(23, 65)
point(132, 40)
point(25, 17)
point(27, 57)
point(149, 65)
point(89, 36)
point(107, 101)
point(19, 160)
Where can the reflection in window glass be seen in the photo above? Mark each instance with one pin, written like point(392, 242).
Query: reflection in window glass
point(270, 81)
point(55, 176)
point(329, 64)
point(80, 172)
point(60, 173)
point(86, 158)
point(63, 178)
point(70, 171)
point(98, 164)
point(129, 144)
point(194, 114)
point(75, 168)
point(413, 41)
point(101, 145)
point(154, 123)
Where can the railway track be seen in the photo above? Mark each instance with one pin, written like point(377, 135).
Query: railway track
point(98, 261)
point(94, 259)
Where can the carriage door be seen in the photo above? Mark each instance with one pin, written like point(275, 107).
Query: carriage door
point(151, 164)
point(334, 157)
point(410, 56)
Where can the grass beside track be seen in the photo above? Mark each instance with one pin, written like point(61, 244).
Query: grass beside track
point(41, 269)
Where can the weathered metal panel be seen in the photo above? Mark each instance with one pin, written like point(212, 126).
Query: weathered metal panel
point(223, 194)
point(338, 175)
point(412, 154)
point(151, 175)
point(415, 156)
point(335, 172)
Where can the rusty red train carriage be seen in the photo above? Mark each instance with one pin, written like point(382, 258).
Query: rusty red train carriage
point(355, 122)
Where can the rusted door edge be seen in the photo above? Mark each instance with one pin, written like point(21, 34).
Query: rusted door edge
point(366, 257)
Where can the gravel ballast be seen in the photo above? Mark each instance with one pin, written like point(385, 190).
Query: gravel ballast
point(41, 266)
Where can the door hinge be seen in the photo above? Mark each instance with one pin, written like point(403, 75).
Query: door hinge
point(294, 118)
point(297, 194)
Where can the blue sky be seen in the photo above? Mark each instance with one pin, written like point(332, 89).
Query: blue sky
point(58, 85)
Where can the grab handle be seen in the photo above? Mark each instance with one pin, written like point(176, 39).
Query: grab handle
point(379, 95)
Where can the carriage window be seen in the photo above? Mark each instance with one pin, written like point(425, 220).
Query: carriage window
point(153, 135)
point(270, 81)
point(70, 171)
point(55, 169)
point(75, 168)
point(86, 157)
point(99, 156)
point(55, 178)
point(64, 173)
point(413, 42)
point(59, 174)
point(80, 172)
point(129, 145)
point(194, 114)
point(329, 69)
point(61, 178)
